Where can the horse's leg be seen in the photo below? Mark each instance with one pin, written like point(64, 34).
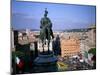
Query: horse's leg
point(48, 45)
point(43, 46)
point(48, 35)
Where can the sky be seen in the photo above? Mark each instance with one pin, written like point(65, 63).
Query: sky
point(27, 15)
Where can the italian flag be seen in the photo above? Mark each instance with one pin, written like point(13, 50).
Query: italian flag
point(19, 62)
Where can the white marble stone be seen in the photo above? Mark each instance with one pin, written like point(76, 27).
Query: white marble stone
point(40, 48)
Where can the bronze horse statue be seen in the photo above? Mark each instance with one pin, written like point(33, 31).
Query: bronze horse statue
point(46, 30)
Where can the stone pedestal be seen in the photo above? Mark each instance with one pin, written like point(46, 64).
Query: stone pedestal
point(45, 63)
point(43, 59)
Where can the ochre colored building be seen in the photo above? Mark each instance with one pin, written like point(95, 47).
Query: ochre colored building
point(70, 46)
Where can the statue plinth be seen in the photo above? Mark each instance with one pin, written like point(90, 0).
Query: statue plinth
point(45, 62)
point(46, 56)
point(45, 59)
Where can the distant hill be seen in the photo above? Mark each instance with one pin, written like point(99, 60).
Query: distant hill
point(76, 30)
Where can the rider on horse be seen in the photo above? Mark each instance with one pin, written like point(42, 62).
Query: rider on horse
point(46, 28)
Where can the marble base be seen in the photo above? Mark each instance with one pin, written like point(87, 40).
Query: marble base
point(45, 63)
point(45, 58)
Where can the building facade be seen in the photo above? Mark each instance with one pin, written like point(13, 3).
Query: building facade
point(70, 46)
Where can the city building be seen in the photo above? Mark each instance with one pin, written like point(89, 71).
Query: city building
point(70, 46)
point(77, 41)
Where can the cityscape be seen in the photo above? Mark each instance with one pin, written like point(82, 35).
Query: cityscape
point(70, 47)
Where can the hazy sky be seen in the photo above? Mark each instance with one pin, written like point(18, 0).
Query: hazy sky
point(63, 16)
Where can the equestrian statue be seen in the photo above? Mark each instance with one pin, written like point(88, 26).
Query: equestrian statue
point(46, 33)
